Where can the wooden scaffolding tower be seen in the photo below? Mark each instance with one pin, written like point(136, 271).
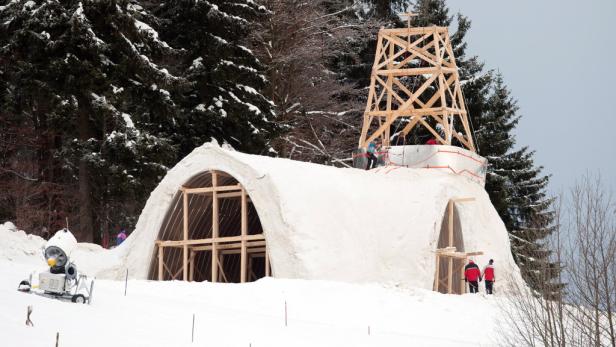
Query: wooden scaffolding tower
point(247, 246)
point(444, 281)
point(415, 82)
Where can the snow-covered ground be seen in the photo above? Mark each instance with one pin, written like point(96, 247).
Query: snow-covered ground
point(154, 313)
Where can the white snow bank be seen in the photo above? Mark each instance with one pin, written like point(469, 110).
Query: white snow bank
point(16, 245)
point(319, 313)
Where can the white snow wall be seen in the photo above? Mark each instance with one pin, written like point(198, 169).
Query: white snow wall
point(328, 223)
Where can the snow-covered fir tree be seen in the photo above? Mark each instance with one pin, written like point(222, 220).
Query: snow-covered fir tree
point(112, 101)
point(222, 97)
point(517, 189)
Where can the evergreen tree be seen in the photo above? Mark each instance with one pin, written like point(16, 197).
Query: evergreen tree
point(112, 104)
point(70, 70)
point(221, 98)
point(517, 189)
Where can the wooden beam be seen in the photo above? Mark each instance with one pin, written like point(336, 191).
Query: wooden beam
point(220, 267)
point(436, 278)
point(415, 71)
point(211, 189)
point(217, 240)
point(237, 245)
point(411, 31)
point(450, 223)
point(464, 199)
point(161, 261)
point(244, 227)
point(462, 282)
point(185, 227)
point(267, 263)
point(191, 262)
point(258, 250)
point(215, 226)
point(450, 276)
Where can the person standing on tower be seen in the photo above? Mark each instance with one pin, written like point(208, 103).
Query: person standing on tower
point(472, 275)
point(488, 275)
point(371, 152)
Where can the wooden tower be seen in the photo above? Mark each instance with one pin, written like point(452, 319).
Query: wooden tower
point(415, 82)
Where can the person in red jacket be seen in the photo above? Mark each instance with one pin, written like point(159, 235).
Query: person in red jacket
point(488, 275)
point(472, 275)
point(432, 141)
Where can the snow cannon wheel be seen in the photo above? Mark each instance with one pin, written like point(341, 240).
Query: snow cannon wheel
point(78, 299)
point(24, 286)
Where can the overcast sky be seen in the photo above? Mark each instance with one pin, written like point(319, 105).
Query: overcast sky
point(559, 60)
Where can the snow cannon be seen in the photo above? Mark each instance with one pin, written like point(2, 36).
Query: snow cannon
point(61, 280)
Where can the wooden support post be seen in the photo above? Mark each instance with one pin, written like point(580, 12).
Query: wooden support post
point(462, 282)
point(267, 262)
point(244, 226)
point(215, 226)
point(222, 276)
point(450, 223)
point(191, 262)
point(450, 276)
point(185, 253)
point(438, 267)
point(161, 262)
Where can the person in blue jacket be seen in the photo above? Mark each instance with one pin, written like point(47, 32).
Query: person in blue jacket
point(371, 151)
point(121, 237)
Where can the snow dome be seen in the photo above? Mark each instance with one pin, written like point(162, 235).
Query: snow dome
point(290, 219)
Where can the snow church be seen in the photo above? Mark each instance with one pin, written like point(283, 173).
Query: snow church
point(224, 216)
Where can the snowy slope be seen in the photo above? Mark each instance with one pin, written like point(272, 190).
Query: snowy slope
point(320, 313)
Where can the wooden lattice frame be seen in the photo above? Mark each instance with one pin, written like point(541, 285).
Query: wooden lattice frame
point(418, 54)
point(247, 246)
point(449, 253)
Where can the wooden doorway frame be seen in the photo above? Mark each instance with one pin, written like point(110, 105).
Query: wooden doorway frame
point(449, 253)
point(248, 246)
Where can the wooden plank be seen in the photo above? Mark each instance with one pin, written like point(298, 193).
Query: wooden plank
point(258, 250)
point(185, 228)
point(237, 245)
point(212, 189)
point(232, 195)
point(168, 270)
point(464, 199)
point(215, 228)
point(222, 271)
point(217, 240)
point(450, 223)
point(267, 263)
point(415, 71)
point(462, 282)
point(191, 262)
point(450, 276)
point(412, 31)
point(161, 261)
point(436, 277)
point(244, 227)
